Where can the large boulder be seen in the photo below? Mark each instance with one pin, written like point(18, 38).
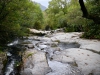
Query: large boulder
point(35, 63)
point(38, 32)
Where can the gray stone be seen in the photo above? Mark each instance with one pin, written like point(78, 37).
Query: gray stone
point(35, 64)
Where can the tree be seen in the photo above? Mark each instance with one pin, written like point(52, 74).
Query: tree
point(56, 14)
point(74, 19)
point(16, 16)
point(95, 18)
point(92, 14)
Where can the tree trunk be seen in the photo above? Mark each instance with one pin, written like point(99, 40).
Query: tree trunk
point(95, 18)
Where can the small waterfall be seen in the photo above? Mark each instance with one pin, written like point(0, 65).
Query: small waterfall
point(10, 68)
point(13, 58)
point(13, 43)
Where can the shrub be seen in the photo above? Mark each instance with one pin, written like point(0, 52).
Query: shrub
point(92, 31)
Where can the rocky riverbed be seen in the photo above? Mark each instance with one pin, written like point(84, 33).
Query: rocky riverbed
point(61, 54)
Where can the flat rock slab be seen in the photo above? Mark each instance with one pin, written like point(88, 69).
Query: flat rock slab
point(87, 61)
point(35, 63)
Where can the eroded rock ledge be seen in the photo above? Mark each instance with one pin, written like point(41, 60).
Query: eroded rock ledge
point(35, 63)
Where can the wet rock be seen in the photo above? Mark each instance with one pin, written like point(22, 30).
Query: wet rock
point(52, 31)
point(43, 46)
point(54, 44)
point(25, 42)
point(35, 63)
point(30, 46)
point(49, 43)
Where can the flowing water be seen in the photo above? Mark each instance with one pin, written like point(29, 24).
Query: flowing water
point(10, 65)
point(13, 59)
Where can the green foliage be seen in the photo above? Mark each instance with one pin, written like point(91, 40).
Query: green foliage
point(55, 14)
point(61, 13)
point(64, 14)
point(92, 31)
point(16, 16)
point(93, 7)
point(0, 51)
point(37, 25)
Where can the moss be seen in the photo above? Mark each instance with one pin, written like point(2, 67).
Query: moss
point(3, 59)
point(1, 53)
point(30, 54)
point(75, 64)
point(17, 64)
point(54, 45)
point(4, 62)
point(57, 41)
point(1, 50)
